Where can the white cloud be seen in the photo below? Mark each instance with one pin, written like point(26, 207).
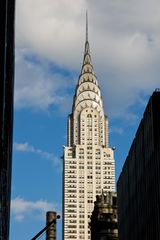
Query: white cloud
point(46, 27)
point(37, 85)
point(125, 44)
point(116, 130)
point(23, 147)
point(22, 209)
point(26, 147)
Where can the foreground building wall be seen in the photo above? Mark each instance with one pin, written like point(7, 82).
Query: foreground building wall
point(139, 182)
point(6, 110)
point(88, 160)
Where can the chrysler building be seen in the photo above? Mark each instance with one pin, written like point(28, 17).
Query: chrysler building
point(88, 159)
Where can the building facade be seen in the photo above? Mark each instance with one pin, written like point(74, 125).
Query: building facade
point(6, 110)
point(104, 217)
point(138, 184)
point(88, 160)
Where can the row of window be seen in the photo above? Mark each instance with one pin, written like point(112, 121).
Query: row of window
point(89, 156)
point(98, 175)
point(89, 166)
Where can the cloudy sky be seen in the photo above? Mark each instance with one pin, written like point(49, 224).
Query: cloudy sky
point(125, 46)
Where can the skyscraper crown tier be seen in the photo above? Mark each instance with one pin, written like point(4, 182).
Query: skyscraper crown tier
point(87, 92)
point(87, 104)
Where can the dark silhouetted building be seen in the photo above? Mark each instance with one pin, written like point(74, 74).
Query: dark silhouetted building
point(51, 231)
point(104, 217)
point(139, 182)
point(6, 110)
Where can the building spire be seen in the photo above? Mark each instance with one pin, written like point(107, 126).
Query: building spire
point(87, 91)
point(87, 49)
point(86, 26)
point(87, 55)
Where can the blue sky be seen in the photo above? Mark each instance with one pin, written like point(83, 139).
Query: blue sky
point(125, 47)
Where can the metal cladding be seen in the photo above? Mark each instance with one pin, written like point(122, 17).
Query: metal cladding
point(87, 95)
point(87, 90)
